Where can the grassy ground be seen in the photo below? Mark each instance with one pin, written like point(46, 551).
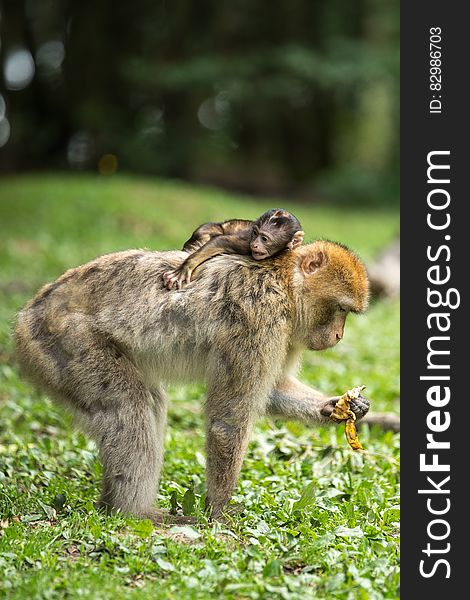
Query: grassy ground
point(320, 521)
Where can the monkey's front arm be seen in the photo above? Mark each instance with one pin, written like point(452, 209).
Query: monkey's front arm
point(293, 400)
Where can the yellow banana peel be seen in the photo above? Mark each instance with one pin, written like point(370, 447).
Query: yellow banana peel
point(342, 412)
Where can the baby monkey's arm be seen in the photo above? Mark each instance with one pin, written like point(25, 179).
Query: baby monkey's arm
point(221, 244)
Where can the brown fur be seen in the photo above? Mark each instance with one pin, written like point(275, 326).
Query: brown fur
point(274, 231)
point(107, 336)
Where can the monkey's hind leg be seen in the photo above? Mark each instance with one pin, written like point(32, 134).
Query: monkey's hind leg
point(132, 454)
point(127, 421)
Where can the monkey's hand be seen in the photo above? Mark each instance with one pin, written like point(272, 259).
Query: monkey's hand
point(359, 406)
point(178, 276)
point(343, 412)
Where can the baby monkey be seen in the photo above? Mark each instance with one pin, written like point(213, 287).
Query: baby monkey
point(274, 231)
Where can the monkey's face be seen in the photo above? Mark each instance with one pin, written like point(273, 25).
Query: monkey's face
point(261, 245)
point(328, 329)
point(268, 240)
point(276, 230)
point(334, 284)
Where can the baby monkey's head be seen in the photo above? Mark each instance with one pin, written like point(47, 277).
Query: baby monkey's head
point(274, 231)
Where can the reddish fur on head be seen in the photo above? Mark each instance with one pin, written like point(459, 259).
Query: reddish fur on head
point(334, 283)
point(337, 272)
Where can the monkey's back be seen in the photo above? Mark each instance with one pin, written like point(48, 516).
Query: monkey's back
point(119, 301)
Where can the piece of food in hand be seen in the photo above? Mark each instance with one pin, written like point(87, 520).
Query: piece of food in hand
point(342, 412)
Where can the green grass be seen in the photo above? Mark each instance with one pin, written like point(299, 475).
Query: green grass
point(320, 521)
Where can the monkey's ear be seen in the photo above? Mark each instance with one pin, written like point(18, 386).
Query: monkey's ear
point(312, 262)
point(296, 240)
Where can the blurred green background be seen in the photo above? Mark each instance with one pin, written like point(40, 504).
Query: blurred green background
point(293, 98)
point(127, 124)
point(319, 521)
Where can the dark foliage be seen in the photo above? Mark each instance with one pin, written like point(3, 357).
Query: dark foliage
point(270, 97)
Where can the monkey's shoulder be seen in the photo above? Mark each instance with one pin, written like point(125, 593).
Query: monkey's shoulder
point(244, 289)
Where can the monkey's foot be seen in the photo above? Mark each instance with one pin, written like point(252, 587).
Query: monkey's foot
point(161, 517)
point(387, 421)
point(226, 514)
point(178, 276)
point(229, 514)
point(157, 516)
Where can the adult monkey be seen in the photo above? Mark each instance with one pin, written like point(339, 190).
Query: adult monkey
point(106, 336)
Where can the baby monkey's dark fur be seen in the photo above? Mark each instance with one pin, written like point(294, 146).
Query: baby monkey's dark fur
point(274, 231)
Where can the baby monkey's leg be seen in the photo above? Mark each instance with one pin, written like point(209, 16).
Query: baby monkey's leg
point(202, 235)
point(199, 238)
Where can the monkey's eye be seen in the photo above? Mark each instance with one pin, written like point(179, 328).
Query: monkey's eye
point(341, 309)
point(264, 238)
